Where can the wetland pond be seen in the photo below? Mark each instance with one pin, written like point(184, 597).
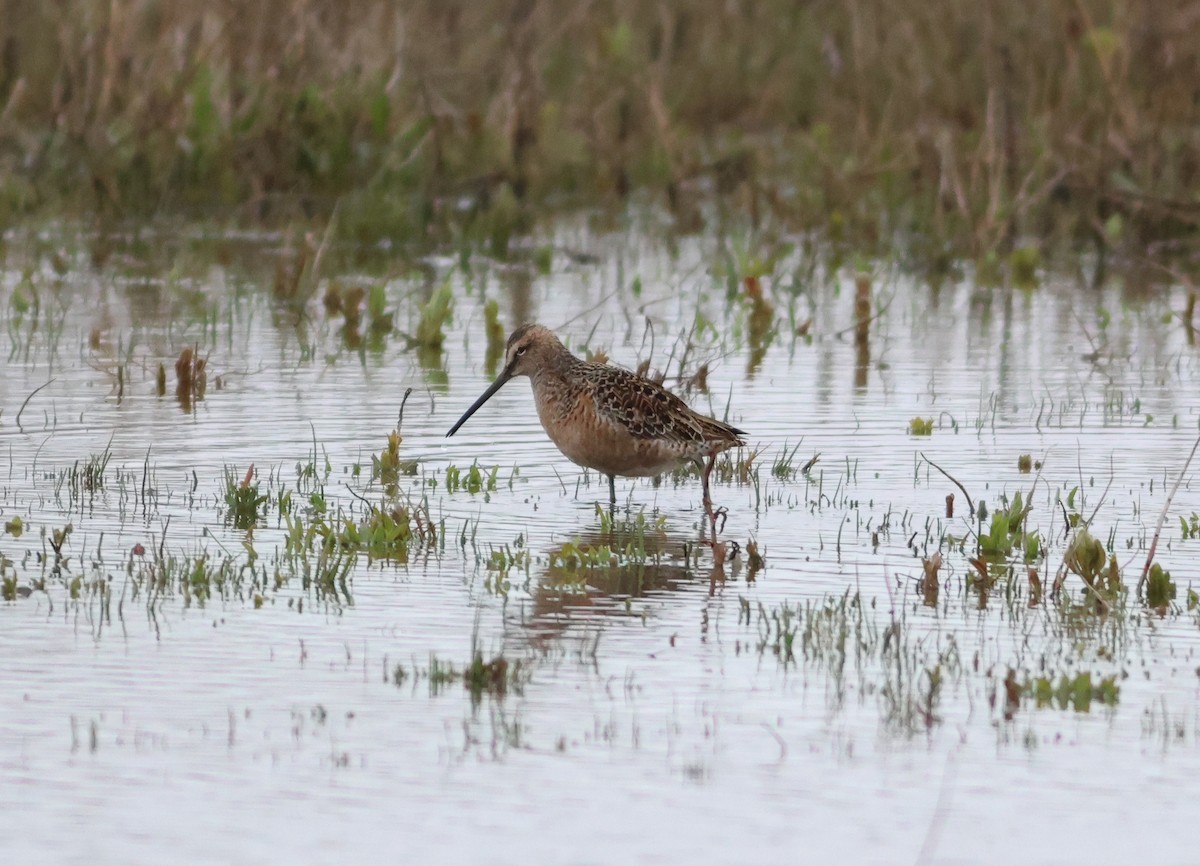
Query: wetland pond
point(242, 623)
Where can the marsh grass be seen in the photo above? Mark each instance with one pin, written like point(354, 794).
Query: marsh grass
point(908, 670)
point(1007, 532)
point(244, 503)
point(387, 466)
point(198, 578)
point(85, 478)
point(967, 128)
point(920, 427)
point(784, 468)
point(380, 534)
point(621, 543)
point(474, 479)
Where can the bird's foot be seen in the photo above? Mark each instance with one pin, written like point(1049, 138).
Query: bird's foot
point(717, 518)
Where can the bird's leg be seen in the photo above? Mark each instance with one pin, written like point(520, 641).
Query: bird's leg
point(612, 490)
point(708, 509)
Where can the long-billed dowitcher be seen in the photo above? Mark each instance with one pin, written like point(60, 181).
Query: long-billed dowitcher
point(606, 418)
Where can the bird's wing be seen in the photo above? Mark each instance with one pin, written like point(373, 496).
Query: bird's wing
point(649, 411)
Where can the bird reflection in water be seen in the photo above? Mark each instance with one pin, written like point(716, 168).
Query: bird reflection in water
point(598, 575)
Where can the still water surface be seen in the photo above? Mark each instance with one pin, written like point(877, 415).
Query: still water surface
point(654, 720)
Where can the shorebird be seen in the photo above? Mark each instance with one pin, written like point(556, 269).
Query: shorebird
point(607, 418)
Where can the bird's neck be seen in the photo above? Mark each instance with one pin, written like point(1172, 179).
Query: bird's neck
point(555, 369)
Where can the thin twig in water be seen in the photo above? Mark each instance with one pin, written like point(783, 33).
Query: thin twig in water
point(970, 502)
point(650, 329)
point(360, 497)
point(1103, 495)
point(1162, 517)
point(600, 303)
point(403, 400)
point(27, 399)
point(163, 541)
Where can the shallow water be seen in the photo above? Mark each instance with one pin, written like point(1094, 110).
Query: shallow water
point(657, 716)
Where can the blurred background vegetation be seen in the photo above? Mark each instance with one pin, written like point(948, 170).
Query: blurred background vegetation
point(946, 128)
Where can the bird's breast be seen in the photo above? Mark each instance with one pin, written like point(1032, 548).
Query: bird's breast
point(590, 439)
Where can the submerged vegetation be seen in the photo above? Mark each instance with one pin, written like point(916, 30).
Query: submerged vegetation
point(985, 131)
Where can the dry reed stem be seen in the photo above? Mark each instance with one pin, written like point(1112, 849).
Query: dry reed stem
point(1162, 517)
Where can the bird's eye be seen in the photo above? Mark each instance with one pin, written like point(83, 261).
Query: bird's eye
point(521, 351)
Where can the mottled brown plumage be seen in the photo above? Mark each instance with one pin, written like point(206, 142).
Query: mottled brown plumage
point(607, 418)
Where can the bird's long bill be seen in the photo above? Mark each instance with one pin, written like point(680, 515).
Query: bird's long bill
point(504, 376)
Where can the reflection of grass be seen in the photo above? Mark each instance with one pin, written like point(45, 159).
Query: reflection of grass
point(430, 335)
point(495, 677)
point(1073, 692)
point(495, 337)
point(435, 315)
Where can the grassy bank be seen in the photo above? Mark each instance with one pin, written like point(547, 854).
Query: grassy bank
point(957, 127)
